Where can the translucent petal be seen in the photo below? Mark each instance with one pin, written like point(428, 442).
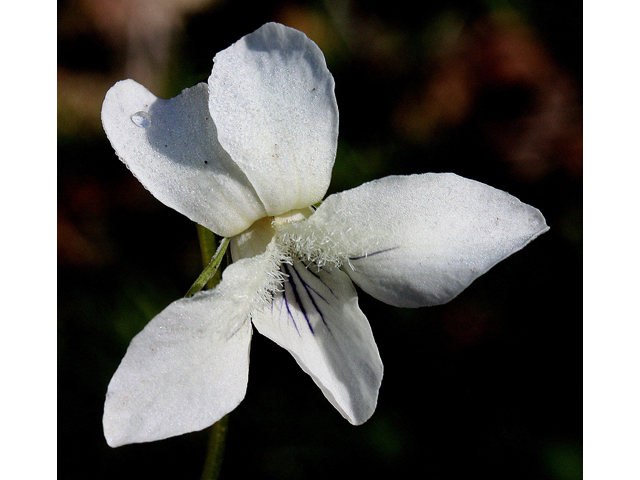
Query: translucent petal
point(317, 319)
point(171, 146)
point(188, 367)
point(420, 240)
point(272, 99)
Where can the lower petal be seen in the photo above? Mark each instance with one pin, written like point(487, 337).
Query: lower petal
point(188, 367)
point(317, 319)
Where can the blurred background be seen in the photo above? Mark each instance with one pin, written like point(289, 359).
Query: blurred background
point(487, 385)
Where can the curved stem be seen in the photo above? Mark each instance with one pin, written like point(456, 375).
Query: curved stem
point(215, 450)
point(210, 270)
point(208, 243)
point(212, 258)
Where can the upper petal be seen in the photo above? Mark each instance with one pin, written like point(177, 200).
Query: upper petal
point(317, 319)
point(189, 366)
point(420, 240)
point(171, 146)
point(272, 99)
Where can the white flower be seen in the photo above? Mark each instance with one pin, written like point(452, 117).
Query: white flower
point(246, 155)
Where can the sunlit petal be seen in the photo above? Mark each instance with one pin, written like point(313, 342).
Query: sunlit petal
point(317, 319)
point(420, 240)
point(188, 367)
point(272, 99)
point(182, 373)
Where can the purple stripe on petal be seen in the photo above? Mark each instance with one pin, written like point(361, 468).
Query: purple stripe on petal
point(309, 291)
point(289, 312)
point(373, 253)
point(292, 283)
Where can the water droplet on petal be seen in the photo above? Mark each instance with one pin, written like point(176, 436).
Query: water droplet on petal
point(141, 119)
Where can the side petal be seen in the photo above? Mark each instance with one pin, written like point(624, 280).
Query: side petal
point(420, 240)
point(171, 146)
point(317, 319)
point(272, 99)
point(188, 367)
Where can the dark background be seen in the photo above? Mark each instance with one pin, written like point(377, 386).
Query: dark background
point(487, 386)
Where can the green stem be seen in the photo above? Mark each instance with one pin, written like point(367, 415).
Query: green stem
point(210, 270)
point(208, 243)
point(212, 258)
point(215, 450)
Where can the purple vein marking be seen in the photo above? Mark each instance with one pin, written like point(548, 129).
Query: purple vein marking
point(296, 295)
point(326, 272)
point(236, 330)
point(286, 302)
point(309, 289)
point(374, 253)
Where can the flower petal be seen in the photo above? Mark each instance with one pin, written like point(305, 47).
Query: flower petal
point(420, 240)
point(187, 368)
point(317, 319)
point(272, 99)
point(171, 147)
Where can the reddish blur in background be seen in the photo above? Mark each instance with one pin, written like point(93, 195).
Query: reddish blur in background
point(486, 386)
